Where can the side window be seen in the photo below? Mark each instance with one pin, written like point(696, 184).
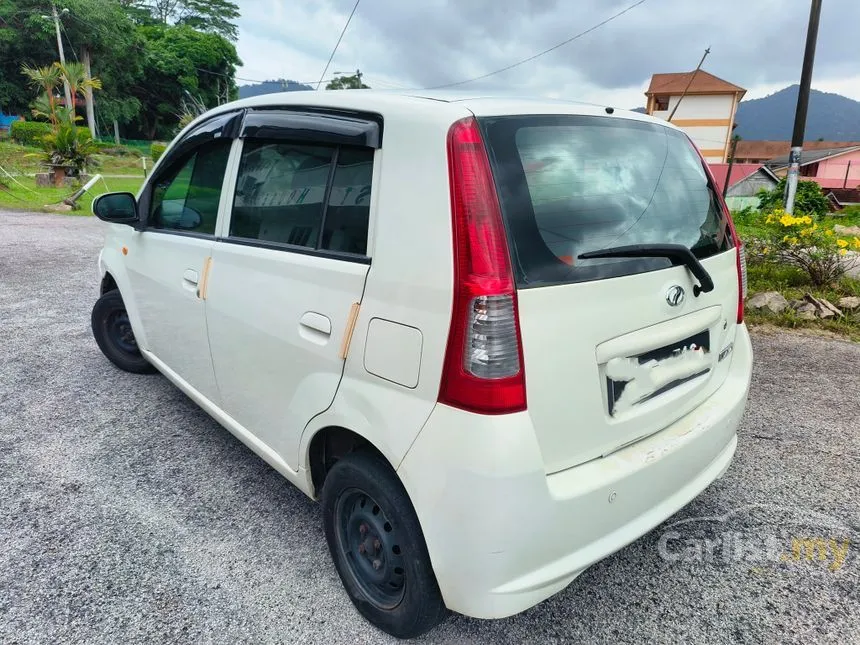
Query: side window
point(280, 193)
point(348, 210)
point(186, 197)
point(286, 193)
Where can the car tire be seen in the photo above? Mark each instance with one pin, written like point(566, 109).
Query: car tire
point(378, 547)
point(114, 336)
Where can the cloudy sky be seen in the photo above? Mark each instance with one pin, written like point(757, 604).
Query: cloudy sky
point(757, 44)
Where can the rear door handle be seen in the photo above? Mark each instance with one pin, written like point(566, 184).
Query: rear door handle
point(317, 322)
point(190, 276)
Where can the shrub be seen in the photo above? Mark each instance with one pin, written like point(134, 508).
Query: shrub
point(808, 200)
point(29, 133)
point(801, 242)
point(69, 146)
point(156, 150)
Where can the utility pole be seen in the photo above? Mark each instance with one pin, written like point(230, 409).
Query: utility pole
point(358, 75)
point(802, 106)
point(735, 140)
point(91, 112)
point(689, 83)
point(66, 88)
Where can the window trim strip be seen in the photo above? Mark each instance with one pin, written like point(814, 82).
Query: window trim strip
point(335, 157)
point(300, 250)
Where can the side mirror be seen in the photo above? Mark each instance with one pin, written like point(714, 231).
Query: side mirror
point(119, 208)
point(189, 220)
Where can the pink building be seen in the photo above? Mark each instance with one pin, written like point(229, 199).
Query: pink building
point(831, 167)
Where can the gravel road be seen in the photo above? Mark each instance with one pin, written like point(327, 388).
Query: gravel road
point(128, 516)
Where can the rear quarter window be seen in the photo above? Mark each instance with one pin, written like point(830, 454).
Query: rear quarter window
point(573, 184)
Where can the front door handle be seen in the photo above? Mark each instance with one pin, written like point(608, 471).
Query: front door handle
point(190, 276)
point(317, 322)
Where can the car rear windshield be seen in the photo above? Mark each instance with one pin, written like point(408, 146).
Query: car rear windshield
point(573, 184)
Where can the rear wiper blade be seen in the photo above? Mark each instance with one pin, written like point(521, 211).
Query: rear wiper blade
point(677, 253)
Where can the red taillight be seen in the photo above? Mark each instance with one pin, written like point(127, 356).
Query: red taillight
point(740, 258)
point(483, 370)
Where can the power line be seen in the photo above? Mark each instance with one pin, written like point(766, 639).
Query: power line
point(544, 52)
point(337, 44)
point(71, 46)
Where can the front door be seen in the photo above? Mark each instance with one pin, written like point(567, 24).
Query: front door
point(283, 282)
point(168, 260)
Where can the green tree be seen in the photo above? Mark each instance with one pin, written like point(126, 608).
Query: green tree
point(180, 62)
point(809, 199)
point(73, 74)
point(213, 16)
point(347, 83)
point(111, 34)
point(46, 80)
point(25, 39)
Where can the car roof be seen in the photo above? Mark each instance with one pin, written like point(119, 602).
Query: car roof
point(391, 102)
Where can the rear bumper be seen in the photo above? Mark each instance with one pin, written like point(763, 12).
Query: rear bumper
point(502, 535)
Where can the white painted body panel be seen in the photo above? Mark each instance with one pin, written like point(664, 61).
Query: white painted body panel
point(172, 315)
point(570, 332)
point(513, 507)
point(267, 312)
point(503, 535)
point(410, 281)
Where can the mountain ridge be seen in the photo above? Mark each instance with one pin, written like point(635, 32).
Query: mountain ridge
point(831, 116)
point(271, 87)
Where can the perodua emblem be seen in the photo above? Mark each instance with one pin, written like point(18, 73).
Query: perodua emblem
point(675, 295)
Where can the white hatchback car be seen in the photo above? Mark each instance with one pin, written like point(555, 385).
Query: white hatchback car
point(498, 339)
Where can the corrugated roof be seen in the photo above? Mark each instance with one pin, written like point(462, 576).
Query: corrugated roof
point(759, 150)
point(811, 156)
point(740, 171)
point(703, 83)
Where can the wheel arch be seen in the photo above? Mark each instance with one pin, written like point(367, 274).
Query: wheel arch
point(113, 275)
point(330, 443)
point(108, 283)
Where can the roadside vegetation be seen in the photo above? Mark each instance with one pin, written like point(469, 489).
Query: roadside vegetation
point(803, 268)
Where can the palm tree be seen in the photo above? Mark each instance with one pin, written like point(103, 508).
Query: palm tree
point(47, 79)
point(75, 75)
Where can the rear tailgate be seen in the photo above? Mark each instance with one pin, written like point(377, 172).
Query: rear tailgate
point(615, 349)
point(572, 333)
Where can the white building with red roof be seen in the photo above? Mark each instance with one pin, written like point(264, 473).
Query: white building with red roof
point(706, 111)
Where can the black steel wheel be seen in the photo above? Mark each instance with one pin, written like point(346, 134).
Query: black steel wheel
point(371, 548)
point(114, 335)
point(378, 547)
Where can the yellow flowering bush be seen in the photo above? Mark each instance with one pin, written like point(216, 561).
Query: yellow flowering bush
point(800, 241)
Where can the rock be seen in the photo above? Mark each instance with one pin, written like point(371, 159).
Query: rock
point(58, 208)
point(806, 311)
point(847, 230)
point(771, 300)
point(796, 304)
point(823, 308)
point(849, 302)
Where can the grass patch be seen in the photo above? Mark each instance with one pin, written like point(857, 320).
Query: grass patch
point(848, 216)
point(17, 160)
point(18, 198)
point(848, 327)
point(793, 283)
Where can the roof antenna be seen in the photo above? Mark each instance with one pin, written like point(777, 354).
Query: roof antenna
point(689, 83)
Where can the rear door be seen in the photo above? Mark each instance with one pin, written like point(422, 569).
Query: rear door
point(615, 349)
point(287, 269)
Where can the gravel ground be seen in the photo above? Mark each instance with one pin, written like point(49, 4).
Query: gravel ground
point(127, 515)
